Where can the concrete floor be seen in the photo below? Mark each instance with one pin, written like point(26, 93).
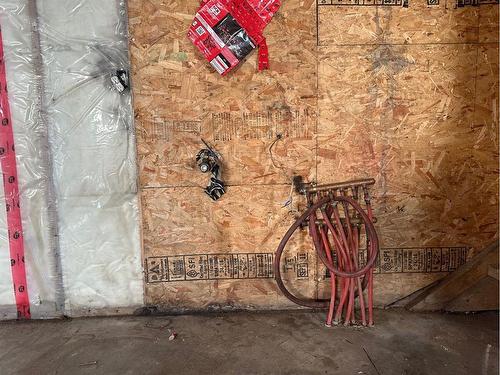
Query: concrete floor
point(253, 343)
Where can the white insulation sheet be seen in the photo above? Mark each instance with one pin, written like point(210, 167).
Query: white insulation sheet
point(75, 150)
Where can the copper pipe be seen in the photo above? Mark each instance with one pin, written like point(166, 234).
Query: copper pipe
point(338, 185)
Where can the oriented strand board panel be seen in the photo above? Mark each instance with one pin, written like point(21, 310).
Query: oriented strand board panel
point(409, 96)
point(417, 24)
point(199, 254)
point(179, 99)
point(406, 119)
point(221, 254)
point(358, 88)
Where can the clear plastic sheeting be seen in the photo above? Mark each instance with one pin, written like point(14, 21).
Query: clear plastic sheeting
point(31, 142)
point(79, 202)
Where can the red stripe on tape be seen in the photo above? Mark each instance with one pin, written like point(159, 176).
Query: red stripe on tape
point(11, 190)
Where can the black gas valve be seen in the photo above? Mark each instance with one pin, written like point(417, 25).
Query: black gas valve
point(209, 161)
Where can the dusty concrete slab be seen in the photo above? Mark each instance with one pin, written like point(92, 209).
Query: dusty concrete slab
point(253, 343)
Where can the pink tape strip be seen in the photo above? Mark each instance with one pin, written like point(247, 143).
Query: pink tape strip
point(11, 189)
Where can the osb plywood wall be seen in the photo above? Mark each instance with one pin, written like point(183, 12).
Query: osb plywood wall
point(407, 95)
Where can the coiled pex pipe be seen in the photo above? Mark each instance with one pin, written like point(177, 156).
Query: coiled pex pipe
point(345, 240)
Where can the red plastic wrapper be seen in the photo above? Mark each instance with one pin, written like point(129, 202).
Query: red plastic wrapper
point(226, 31)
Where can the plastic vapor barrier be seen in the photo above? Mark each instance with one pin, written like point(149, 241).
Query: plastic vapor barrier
point(67, 63)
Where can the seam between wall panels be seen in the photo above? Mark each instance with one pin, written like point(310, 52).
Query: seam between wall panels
point(123, 4)
point(42, 124)
point(138, 187)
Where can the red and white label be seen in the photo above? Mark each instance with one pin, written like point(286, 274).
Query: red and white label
point(11, 191)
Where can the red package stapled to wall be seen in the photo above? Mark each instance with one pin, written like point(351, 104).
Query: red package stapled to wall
point(226, 31)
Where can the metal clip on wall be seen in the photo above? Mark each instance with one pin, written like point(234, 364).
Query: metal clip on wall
point(209, 161)
point(346, 242)
point(120, 80)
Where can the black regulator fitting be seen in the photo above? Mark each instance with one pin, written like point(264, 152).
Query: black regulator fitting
point(208, 160)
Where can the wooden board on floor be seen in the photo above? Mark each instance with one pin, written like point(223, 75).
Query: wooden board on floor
point(407, 95)
point(470, 288)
